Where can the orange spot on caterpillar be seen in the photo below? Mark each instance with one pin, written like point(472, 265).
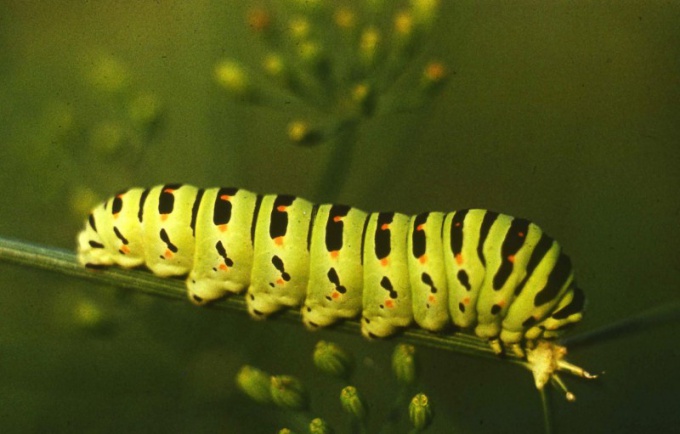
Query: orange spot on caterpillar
point(511, 258)
point(125, 249)
point(420, 227)
point(384, 262)
point(222, 228)
point(423, 259)
point(334, 254)
point(385, 226)
point(389, 303)
point(335, 295)
point(279, 281)
point(521, 234)
point(223, 267)
point(164, 217)
point(115, 216)
point(225, 197)
point(281, 208)
point(278, 241)
point(459, 259)
point(337, 218)
point(168, 254)
point(466, 301)
point(431, 298)
point(168, 190)
point(501, 303)
point(457, 224)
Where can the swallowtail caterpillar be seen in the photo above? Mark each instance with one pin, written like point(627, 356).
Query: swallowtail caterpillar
point(498, 276)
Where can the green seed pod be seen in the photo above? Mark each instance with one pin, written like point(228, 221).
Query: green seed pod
point(420, 412)
point(288, 392)
point(333, 360)
point(352, 403)
point(254, 383)
point(319, 426)
point(404, 363)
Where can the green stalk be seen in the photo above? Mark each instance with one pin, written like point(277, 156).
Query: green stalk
point(64, 262)
point(340, 161)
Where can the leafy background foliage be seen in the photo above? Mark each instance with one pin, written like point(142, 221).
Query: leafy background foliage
point(564, 113)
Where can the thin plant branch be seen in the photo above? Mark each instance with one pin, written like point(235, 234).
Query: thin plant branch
point(64, 262)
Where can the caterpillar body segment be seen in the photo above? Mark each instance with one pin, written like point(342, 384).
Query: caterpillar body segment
point(281, 255)
point(501, 277)
point(386, 294)
point(427, 269)
point(334, 291)
point(224, 230)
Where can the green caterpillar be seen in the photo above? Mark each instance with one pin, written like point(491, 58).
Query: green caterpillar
point(500, 276)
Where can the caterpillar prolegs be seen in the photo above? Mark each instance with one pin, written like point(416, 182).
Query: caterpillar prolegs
point(500, 276)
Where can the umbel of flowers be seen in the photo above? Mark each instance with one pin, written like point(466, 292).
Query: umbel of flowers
point(290, 395)
point(344, 62)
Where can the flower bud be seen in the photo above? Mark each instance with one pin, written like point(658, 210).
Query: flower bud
point(433, 77)
point(365, 98)
point(288, 392)
point(301, 133)
point(109, 74)
point(259, 19)
point(425, 11)
point(231, 76)
point(352, 403)
point(254, 383)
point(420, 412)
point(368, 45)
point(299, 28)
point(333, 360)
point(319, 426)
point(144, 110)
point(404, 363)
point(344, 18)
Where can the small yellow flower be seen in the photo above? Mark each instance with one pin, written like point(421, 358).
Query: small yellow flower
point(299, 28)
point(259, 19)
point(344, 18)
point(368, 45)
point(231, 75)
point(435, 72)
point(403, 23)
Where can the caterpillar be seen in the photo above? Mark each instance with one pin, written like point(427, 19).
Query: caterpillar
point(497, 276)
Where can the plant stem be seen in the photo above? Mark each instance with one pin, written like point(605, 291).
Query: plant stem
point(340, 160)
point(64, 262)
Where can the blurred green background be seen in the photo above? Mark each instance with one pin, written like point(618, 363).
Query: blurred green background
point(566, 113)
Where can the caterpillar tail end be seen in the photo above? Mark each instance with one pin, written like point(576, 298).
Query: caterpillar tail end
point(545, 360)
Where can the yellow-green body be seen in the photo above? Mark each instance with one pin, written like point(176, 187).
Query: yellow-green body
point(500, 276)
